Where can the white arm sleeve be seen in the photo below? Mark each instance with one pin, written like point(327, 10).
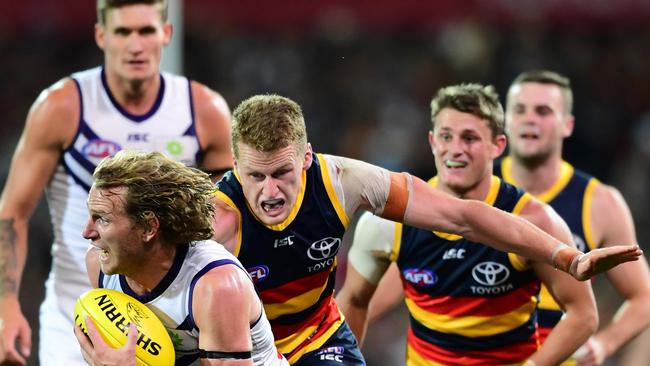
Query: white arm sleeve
point(358, 184)
point(372, 245)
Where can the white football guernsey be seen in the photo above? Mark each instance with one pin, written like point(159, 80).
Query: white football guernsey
point(171, 301)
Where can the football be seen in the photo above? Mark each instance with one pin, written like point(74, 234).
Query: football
point(112, 312)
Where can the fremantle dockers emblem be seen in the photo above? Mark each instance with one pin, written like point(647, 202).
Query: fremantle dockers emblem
point(490, 273)
point(324, 248)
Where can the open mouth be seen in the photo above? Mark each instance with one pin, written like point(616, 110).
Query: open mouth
point(272, 205)
point(529, 136)
point(455, 164)
point(103, 253)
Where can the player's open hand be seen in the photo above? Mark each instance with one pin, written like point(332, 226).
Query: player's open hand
point(97, 353)
point(14, 330)
point(600, 260)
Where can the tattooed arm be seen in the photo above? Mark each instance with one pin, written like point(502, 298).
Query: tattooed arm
point(50, 126)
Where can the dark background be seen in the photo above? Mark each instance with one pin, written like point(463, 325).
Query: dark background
point(364, 72)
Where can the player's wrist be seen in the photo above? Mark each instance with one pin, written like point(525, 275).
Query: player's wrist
point(566, 258)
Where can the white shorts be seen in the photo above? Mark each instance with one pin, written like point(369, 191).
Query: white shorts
point(57, 342)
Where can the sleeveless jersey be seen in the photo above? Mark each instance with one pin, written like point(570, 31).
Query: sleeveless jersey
point(570, 196)
point(468, 304)
point(293, 264)
point(103, 129)
point(171, 301)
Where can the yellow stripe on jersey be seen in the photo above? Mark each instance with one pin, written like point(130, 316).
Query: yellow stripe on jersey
point(586, 213)
point(290, 343)
point(518, 262)
point(566, 172)
point(331, 192)
point(472, 326)
point(413, 358)
point(397, 242)
point(223, 197)
point(546, 300)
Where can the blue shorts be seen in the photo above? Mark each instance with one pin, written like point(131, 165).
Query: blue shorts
point(340, 349)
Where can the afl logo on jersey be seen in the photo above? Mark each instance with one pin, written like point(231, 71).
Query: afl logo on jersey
point(490, 273)
point(99, 148)
point(258, 273)
point(324, 248)
point(420, 277)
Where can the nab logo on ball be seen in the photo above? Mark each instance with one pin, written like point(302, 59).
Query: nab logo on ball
point(112, 312)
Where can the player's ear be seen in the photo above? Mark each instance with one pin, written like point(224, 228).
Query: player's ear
point(309, 156)
point(499, 145)
point(168, 31)
point(150, 227)
point(432, 142)
point(99, 35)
point(567, 128)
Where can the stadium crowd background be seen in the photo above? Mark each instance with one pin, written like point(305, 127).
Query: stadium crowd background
point(364, 72)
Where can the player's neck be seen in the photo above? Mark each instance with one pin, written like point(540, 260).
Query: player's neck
point(478, 191)
point(149, 274)
point(135, 96)
point(536, 179)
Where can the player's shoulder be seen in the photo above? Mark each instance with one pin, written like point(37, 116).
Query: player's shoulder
point(61, 95)
point(206, 98)
point(57, 107)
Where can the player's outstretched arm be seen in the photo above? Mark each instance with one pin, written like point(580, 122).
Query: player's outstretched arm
point(223, 303)
point(50, 125)
point(432, 209)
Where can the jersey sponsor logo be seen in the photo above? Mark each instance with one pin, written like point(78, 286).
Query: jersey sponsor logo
point(492, 276)
point(258, 273)
point(324, 248)
point(284, 241)
point(454, 253)
point(99, 148)
point(490, 273)
point(420, 277)
point(331, 354)
point(138, 137)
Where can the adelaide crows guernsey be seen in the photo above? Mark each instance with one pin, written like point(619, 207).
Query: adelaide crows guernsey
point(293, 264)
point(570, 196)
point(468, 304)
point(171, 301)
point(103, 128)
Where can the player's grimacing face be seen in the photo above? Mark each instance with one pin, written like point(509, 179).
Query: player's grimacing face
point(110, 230)
point(272, 180)
point(132, 39)
point(536, 122)
point(464, 149)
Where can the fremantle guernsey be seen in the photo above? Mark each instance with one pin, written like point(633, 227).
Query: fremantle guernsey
point(293, 264)
point(570, 196)
point(171, 301)
point(468, 304)
point(103, 129)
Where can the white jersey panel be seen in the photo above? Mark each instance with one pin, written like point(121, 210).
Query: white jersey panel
point(104, 128)
point(171, 302)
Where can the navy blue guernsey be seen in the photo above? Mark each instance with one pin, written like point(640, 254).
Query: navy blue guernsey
point(293, 264)
point(570, 196)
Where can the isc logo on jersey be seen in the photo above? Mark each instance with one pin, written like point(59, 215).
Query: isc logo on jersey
point(99, 148)
point(420, 277)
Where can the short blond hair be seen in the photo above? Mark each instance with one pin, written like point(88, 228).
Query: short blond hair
point(268, 123)
point(550, 78)
point(180, 197)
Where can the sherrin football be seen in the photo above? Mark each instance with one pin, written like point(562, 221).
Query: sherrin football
point(112, 312)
